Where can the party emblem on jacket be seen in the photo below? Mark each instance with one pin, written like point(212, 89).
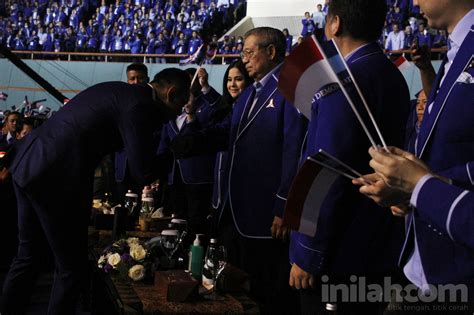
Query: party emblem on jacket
point(465, 78)
point(271, 104)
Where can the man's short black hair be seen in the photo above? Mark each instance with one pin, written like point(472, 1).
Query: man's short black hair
point(29, 121)
point(270, 36)
point(360, 19)
point(138, 67)
point(175, 77)
point(190, 71)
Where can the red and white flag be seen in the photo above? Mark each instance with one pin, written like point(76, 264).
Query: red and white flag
point(305, 198)
point(402, 63)
point(309, 189)
point(304, 72)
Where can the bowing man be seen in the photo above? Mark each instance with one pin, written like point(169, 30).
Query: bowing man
point(266, 135)
point(432, 255)
point(53, 172)
point(354, 236)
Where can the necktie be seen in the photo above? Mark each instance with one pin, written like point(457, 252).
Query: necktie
point(257, 89)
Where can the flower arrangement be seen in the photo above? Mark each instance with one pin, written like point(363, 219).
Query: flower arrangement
point(129, 257)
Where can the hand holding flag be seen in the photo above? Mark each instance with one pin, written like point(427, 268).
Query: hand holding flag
point(310, 188)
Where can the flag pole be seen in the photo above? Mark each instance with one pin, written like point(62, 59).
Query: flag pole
point(343, 89)
point(201, 62)
point(330, 168)
point(372, 119)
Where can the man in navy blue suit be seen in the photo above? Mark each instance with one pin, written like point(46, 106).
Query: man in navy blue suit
point(266, 136)
point(433, 253)
point(354, 236)
point(53, 169)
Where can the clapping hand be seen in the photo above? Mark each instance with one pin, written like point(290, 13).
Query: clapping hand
point(396, 175)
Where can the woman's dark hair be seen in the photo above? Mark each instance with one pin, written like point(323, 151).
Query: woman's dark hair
point(227, 98)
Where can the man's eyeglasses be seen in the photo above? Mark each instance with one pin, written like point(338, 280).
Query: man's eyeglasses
point(248, 53)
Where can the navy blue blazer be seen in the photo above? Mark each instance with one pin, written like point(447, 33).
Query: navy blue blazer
point(66, 149)
point(197, 169)
point(450, 208)
point(264, 151)
point(354, 235)
point(446, 144)
point(219, 188)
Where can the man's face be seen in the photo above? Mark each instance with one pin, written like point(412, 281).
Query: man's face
point(436, 11)
point(11, 124)
point(136, 77)
point(256, 58)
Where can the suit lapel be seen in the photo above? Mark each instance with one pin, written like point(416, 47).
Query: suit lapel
point(174, 127)
point(460, 62)
point(241, 111)
point(267, 93)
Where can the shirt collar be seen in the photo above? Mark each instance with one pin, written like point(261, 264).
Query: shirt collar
point(461, 29)
point(267, 77)
point(352, 53)
point(153, 92)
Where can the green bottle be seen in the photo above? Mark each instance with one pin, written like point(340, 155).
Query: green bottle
point(196, 258)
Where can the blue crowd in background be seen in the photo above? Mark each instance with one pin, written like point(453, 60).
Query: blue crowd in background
point(402, 17)
point(410, 20)
point(119, 26)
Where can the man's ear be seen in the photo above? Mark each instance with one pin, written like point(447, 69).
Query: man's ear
point(335, 25)
point(271, 50)
point(171, 94)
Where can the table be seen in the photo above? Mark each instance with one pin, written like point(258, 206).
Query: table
point(112, 295)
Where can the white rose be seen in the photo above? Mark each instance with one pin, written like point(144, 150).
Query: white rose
point(137, 252)
point(133, 241)
point(137, 272)
point(114, 260)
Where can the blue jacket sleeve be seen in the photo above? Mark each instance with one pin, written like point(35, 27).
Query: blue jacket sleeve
point(449, 207)
point(212, 97)
point(294, 131)
point(461, 175)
